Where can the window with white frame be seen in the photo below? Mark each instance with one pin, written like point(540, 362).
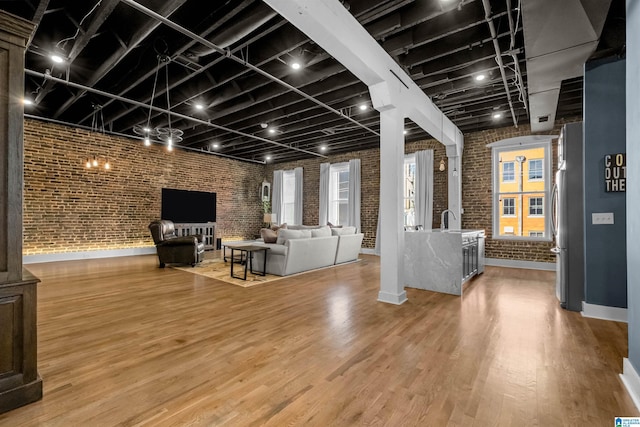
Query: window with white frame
point(339, 193)
point(535, 169)
point(508, 172)
point(409, 199)
point(288, 197)
point(508, 206)
point(536, 206)
point(522, 187)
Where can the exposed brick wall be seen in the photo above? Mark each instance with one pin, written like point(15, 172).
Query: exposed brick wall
point(69, 208)
point(477, 193)
point(370, 180)
point(476, 189)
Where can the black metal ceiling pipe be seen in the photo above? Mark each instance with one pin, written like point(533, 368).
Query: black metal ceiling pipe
point(117, 56)
point(154, 108)
point(496, 46)
point(227, 53)
point(151, 72)
point(123, 135)
point(512, 29)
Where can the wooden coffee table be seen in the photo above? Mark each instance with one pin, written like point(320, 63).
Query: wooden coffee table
point(246, 257)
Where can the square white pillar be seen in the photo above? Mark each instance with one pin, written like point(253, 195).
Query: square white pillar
point(391, 220)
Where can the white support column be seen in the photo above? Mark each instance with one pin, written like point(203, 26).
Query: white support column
point(391, 221)
point(454, 186)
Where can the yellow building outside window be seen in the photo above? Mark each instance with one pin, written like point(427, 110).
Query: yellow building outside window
point(521, 188)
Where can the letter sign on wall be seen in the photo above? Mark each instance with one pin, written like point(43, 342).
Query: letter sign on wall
point(615, 172)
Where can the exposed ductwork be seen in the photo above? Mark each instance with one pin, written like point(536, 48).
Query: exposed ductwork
point(559, 37)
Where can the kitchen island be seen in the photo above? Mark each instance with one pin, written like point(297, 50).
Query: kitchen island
point(442, 260)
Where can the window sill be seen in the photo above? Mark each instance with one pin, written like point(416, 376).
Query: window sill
point(523, 239)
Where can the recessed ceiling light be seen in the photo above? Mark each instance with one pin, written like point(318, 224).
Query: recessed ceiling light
point(363, 107)
point(404, 132)
point(27, 101)
point(268, 157)
point(323, 148)
point(480, 77)
point(497, 115)
point(215, 145)
point(57, 59)
point(296, 65)
point(199, 107)
point(272, 130)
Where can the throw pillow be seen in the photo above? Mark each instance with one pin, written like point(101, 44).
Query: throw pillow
point(321, 232)
point(268, 235)
point(284, 235)
point(343, 231)
point(278, 227)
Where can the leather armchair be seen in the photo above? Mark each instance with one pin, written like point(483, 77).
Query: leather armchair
point(173, 249)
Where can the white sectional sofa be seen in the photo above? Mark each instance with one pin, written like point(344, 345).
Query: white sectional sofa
point(308, 248)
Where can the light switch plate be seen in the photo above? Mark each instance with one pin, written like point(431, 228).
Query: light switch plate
point(602, 218)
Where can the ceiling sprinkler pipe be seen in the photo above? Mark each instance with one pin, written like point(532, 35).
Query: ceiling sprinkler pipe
point(512, 29)
point(164, 111)
point(496, 46)
point(228, 54)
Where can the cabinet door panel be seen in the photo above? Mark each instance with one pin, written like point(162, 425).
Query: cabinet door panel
point(11, 336)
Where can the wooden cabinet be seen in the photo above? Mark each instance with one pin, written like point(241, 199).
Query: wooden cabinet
point(19, 379)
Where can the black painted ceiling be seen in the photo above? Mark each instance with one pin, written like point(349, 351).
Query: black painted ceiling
point(112, 50)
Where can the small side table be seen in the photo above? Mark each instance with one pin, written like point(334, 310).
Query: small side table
point(246, 257)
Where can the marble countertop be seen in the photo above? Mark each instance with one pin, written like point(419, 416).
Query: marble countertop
point(433, 259)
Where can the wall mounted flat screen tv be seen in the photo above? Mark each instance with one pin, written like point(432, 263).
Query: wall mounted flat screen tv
point(184, 206)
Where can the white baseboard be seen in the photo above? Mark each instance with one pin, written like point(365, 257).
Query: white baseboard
point(513, 263)
point(392, 298)
point(73, 256)
point(368, 251)
point(604, 312)
point(631, 381)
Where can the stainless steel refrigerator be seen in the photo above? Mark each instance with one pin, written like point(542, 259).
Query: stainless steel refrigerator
point(568, 218)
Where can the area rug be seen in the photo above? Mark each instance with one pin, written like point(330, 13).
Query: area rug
point(220, 270)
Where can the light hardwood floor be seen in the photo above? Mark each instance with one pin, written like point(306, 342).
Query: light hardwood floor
point(122, 342)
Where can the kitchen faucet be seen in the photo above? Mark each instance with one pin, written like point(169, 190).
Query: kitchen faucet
point(442, 227)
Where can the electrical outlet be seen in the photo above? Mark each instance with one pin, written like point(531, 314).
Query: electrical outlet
point(602, 218)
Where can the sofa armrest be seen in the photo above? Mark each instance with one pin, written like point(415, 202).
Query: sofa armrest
point(273, 248)
point(349, 247)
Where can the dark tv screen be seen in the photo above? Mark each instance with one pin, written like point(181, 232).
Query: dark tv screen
point(188, 206)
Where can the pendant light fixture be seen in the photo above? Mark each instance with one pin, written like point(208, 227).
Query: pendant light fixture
point(169, 135)
point(97, 126)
